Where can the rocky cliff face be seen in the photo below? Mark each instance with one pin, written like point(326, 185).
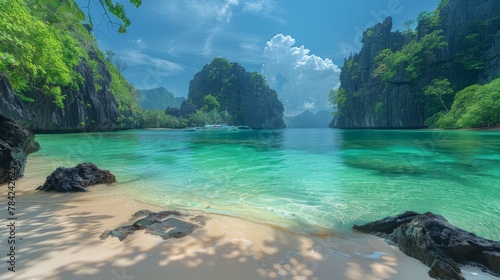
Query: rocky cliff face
point(492, 64)
point(472, 55)
point(11, 106)
point(246, 96)
point(86, 108)
point(370, 103)
point(466, 23)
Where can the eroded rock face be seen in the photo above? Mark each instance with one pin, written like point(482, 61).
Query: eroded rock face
point(16, 143)
point(12, 107)
point(76, 179)
point(435, 242)
point(492, 65)
point(401, 102)
point(166, 224)
point(86, 108)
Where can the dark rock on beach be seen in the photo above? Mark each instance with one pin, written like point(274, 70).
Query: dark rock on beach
point(16, 143)
point(77, 179)
point(435, 242)
point(166, 224)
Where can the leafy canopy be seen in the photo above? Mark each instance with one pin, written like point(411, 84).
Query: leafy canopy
point(414, 57)
point(474, 106)
point(35, 55)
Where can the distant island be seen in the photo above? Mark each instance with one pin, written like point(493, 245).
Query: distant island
point(442, 70)
point(222, 92)
point(158, 99)
point(225, 89)
point(308, 119)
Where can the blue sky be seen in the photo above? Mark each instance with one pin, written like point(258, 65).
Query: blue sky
point(297, 45)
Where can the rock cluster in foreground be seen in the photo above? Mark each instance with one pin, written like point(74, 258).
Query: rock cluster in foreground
point(166, 224)
point(77, 179)
point(16, 143)
point(440, 245)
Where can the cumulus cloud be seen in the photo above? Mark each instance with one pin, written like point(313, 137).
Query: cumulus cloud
point(302, 80)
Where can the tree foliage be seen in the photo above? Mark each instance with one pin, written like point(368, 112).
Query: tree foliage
point(35, 55)
point(414, 57)
point(226, 86)
point(338, 98)
point(439, 88)
point(158, 119)
point(474, 106)
point(42, 42)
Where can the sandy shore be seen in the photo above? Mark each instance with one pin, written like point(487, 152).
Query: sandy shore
point(57, 237)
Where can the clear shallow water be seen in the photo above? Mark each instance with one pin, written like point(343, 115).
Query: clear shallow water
point(301, 178)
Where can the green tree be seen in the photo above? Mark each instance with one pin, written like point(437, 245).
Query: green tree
point(474, 106)
point(210, 103)
point(409, 30)
point(439, 88)
point(338, 98)
point(33, 55)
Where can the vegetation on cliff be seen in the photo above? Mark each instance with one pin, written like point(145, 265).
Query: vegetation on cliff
point(474, 106)
point(413, 78)
point(37, 51)
point(45, 54)
point(222, 92)
point(225, 90)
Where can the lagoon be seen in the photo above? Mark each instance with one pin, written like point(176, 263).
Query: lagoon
point(302, 179)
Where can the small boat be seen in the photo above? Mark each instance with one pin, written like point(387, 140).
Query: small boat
point(192, 129)
point(217, 128)
point(243, 128)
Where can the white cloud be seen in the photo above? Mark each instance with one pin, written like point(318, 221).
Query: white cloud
point(160, 66)
point(259, 6)
point(309, 106)
point(226, 10)
point(149, 71)
point(302, 80)
point(199, 10)
point(201, 24)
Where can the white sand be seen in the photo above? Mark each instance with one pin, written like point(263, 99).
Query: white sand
point(58, 238)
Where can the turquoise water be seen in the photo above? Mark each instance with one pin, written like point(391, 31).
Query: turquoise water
point(302, 178)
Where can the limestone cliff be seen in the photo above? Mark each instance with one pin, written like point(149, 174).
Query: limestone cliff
point(471, 55)
point(11, 106)
point(86, 108)
point(246, 96)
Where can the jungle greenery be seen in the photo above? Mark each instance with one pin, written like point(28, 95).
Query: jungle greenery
point(474, 106)
point(450, 102)
point(44, 40)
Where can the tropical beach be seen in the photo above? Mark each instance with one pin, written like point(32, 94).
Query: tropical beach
point(58, 234)
point(249, 139)
point(58, 237)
